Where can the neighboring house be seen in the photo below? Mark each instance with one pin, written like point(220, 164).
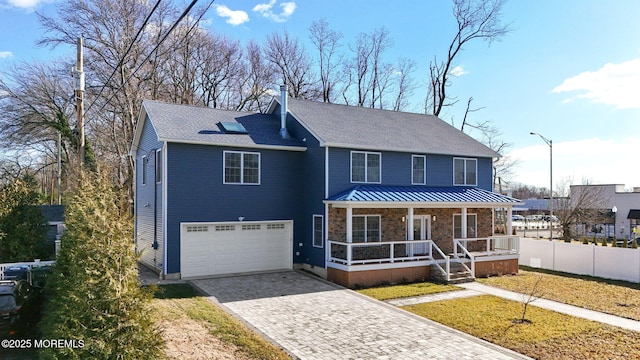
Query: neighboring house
point(54, 216)
point(357, 195)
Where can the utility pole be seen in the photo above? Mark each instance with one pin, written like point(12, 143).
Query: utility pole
point(79, 76)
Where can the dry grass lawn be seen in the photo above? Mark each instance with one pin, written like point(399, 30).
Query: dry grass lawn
point(547, 335)
point(195, 328)
point(612, 297)
point(406, 290)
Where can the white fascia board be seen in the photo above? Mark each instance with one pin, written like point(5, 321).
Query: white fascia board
point(403, 150)
point(248, 146)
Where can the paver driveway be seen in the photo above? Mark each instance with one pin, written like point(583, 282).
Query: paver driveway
point(314, 319)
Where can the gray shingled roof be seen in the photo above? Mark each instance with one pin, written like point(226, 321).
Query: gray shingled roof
point(375, 129)
point(200, 125)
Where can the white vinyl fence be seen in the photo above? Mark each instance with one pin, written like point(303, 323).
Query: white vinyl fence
point(598, 261)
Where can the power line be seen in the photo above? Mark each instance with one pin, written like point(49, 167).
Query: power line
point(144, 24)
point(175, 24)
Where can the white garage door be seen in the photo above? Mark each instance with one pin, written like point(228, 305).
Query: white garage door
point(235, 247)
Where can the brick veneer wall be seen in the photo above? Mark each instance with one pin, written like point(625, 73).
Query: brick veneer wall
point(394, 229)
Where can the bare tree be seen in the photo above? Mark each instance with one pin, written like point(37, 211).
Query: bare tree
point(327, 43)
point(37, 104)
point(577, 204)
point(404, 84)
point(367, 71)
point(293, 63)
point(476, 19)
point(252, 88)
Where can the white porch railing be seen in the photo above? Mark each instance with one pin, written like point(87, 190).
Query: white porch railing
point(353, 254)
point(29, 265)
point(381, 252)
point(495, 245)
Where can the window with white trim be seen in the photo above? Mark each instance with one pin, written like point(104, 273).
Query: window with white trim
point(465, 171)
point(365, 228)
point(472, 226)
point(241, 167)
point(418, 169)
point(318, 230)
point(158, 166)
point(365, 167)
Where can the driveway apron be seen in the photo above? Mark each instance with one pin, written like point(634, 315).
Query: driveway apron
point(315, 319)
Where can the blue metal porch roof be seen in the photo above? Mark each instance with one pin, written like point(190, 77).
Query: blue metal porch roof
point(428, 194)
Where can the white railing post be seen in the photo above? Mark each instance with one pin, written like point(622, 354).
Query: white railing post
point(391, 254)
point(349, 256)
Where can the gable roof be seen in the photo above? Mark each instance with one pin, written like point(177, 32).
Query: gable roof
point(201, 125)
point(355, 127)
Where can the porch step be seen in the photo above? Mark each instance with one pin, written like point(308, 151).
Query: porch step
point(458, 274)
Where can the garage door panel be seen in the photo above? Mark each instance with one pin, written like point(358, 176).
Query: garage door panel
point(225, 248)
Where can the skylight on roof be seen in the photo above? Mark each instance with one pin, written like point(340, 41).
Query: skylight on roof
point(233, 128)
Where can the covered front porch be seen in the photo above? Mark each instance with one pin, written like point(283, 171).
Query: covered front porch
point(373, 239)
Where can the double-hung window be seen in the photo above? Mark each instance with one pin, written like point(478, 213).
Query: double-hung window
point(465, 171)
point(365, 167)
point(318, 226)
point(472, 227)
point(158, 166)
point(418, 169)
point(241, 167)
point(143, 171)
point(365, 228)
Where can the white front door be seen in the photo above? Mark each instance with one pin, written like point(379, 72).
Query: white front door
point(421, 231)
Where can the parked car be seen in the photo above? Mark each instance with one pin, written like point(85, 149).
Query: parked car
point(15, 296)
point(517, 218)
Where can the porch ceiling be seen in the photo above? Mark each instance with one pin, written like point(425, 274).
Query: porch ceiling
point(423, 196)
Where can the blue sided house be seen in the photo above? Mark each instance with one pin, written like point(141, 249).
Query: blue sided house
point(357, 195)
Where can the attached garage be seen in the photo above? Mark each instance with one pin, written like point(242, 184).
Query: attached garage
point(209, 249)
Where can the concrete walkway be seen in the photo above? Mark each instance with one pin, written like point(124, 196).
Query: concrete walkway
point(474, 289)
point(314, 319)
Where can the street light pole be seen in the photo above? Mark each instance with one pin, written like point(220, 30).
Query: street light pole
point(550, 143)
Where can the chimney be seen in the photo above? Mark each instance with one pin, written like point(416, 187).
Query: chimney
point(283, 112)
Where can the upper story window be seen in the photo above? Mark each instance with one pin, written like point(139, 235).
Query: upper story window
point(158, 166)
point(465, 171)
point(241, 167)
point(418, 169)
point(365, 167)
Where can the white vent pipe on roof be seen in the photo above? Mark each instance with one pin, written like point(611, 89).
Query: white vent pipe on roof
point(283, 112)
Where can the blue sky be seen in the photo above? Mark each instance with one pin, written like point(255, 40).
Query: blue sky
point(569, 70)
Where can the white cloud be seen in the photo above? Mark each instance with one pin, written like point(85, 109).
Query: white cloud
point(458, 71)
point(601, 161)
point(234, 17)
point(612, 84)
point(266, 10)
point(26, 4)
point(5, 54)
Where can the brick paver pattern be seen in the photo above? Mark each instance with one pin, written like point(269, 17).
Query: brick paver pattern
point(313, 319)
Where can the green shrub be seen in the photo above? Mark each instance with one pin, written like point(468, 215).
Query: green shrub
point(23, 229)
point(604, 242)
point(94, 294)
